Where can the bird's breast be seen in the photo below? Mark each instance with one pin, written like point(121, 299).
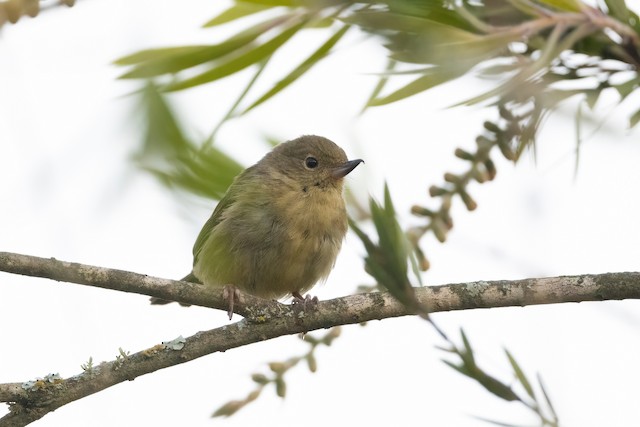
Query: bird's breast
point(317, 218)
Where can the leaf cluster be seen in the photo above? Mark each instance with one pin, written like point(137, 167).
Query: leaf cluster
point(539, 54)
point(176, 160)
point(468, 366)
point(185, 67)
point(388, 260)
point(528, 47)
point(278, 371)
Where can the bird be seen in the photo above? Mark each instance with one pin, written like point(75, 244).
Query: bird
point(278, 229)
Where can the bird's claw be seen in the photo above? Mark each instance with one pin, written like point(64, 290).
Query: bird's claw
point(307, 301)
point(231, 294)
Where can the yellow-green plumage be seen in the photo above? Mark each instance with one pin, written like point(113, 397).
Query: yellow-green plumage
point(280, 226)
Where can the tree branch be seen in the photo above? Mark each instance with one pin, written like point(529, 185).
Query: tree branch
point(266, 320)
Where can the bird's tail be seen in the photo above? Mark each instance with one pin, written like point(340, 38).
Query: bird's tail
point(188, 278)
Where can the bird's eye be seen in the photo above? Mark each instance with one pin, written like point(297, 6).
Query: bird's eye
point(311, 162)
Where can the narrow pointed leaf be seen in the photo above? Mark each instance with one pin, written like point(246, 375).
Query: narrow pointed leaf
point(434, 77)
point(239, 62)
point(546, 397)
point(175, 160)
point(368, 243)
point(158, 54)
point(578, 126)
point(383, 277)
point(447, 21)
point(382, 81)
point(520, 375)
point(624, 89)
point(274, 3)
point(566, 5)
point(496, 387)
point(240, 9)
point(154, 62)
point(497, 423)
point(312, 60)
point(467, 346)
point(634, 119)
point(458, 368)
point(232, 111)
point(618, 9)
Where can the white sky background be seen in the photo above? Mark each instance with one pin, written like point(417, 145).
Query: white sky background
point(68, 190)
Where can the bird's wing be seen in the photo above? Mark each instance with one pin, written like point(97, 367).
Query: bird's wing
point(211, 223)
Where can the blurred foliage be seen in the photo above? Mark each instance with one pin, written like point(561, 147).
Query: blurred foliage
point(527, 46)
point(387, 261)
point(12, 10)
point(172, 157)
point(540, 405)
point(278, 371)
point(539, 53)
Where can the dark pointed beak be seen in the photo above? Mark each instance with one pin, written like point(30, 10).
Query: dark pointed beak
point(344, 169)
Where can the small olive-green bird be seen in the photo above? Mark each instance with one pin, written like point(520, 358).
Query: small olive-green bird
point(278, 229)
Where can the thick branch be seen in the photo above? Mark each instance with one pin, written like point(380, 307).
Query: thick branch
point(268, 319)
point(125, 281)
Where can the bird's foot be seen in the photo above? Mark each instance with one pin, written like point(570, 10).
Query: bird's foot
point(231, 294)
point(307, 301)
point(301, 306)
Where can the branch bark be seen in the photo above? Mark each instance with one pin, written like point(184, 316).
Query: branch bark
point(267, 319)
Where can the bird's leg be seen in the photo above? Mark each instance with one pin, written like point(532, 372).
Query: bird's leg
point(231, 294)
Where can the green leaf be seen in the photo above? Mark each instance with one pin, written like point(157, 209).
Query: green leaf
point(164, 136)
point(496, 387)
point(525, 7)
point(274, 3)
point(618, 9)
point(385, 278)
point(155, 62)
point(232, 111)
point(175, 160)
point(387, 260)
point(325, 22)
point(312, 60)
point(520, 375)
point(391, 241)
point(566, 5)
point(229, 408)
point(634, 119)
point(240, 9)
point(458, 368)
point(366, 241)
point(382, 81)
point(239, 61)
point(546, 397)
point(626, 88)
point(592, 97)
point(157, 54)
point(578, 139)
point(469, 50)
point(380, 21)
point(467, 347)
point(435, 76)
point(498, 423)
